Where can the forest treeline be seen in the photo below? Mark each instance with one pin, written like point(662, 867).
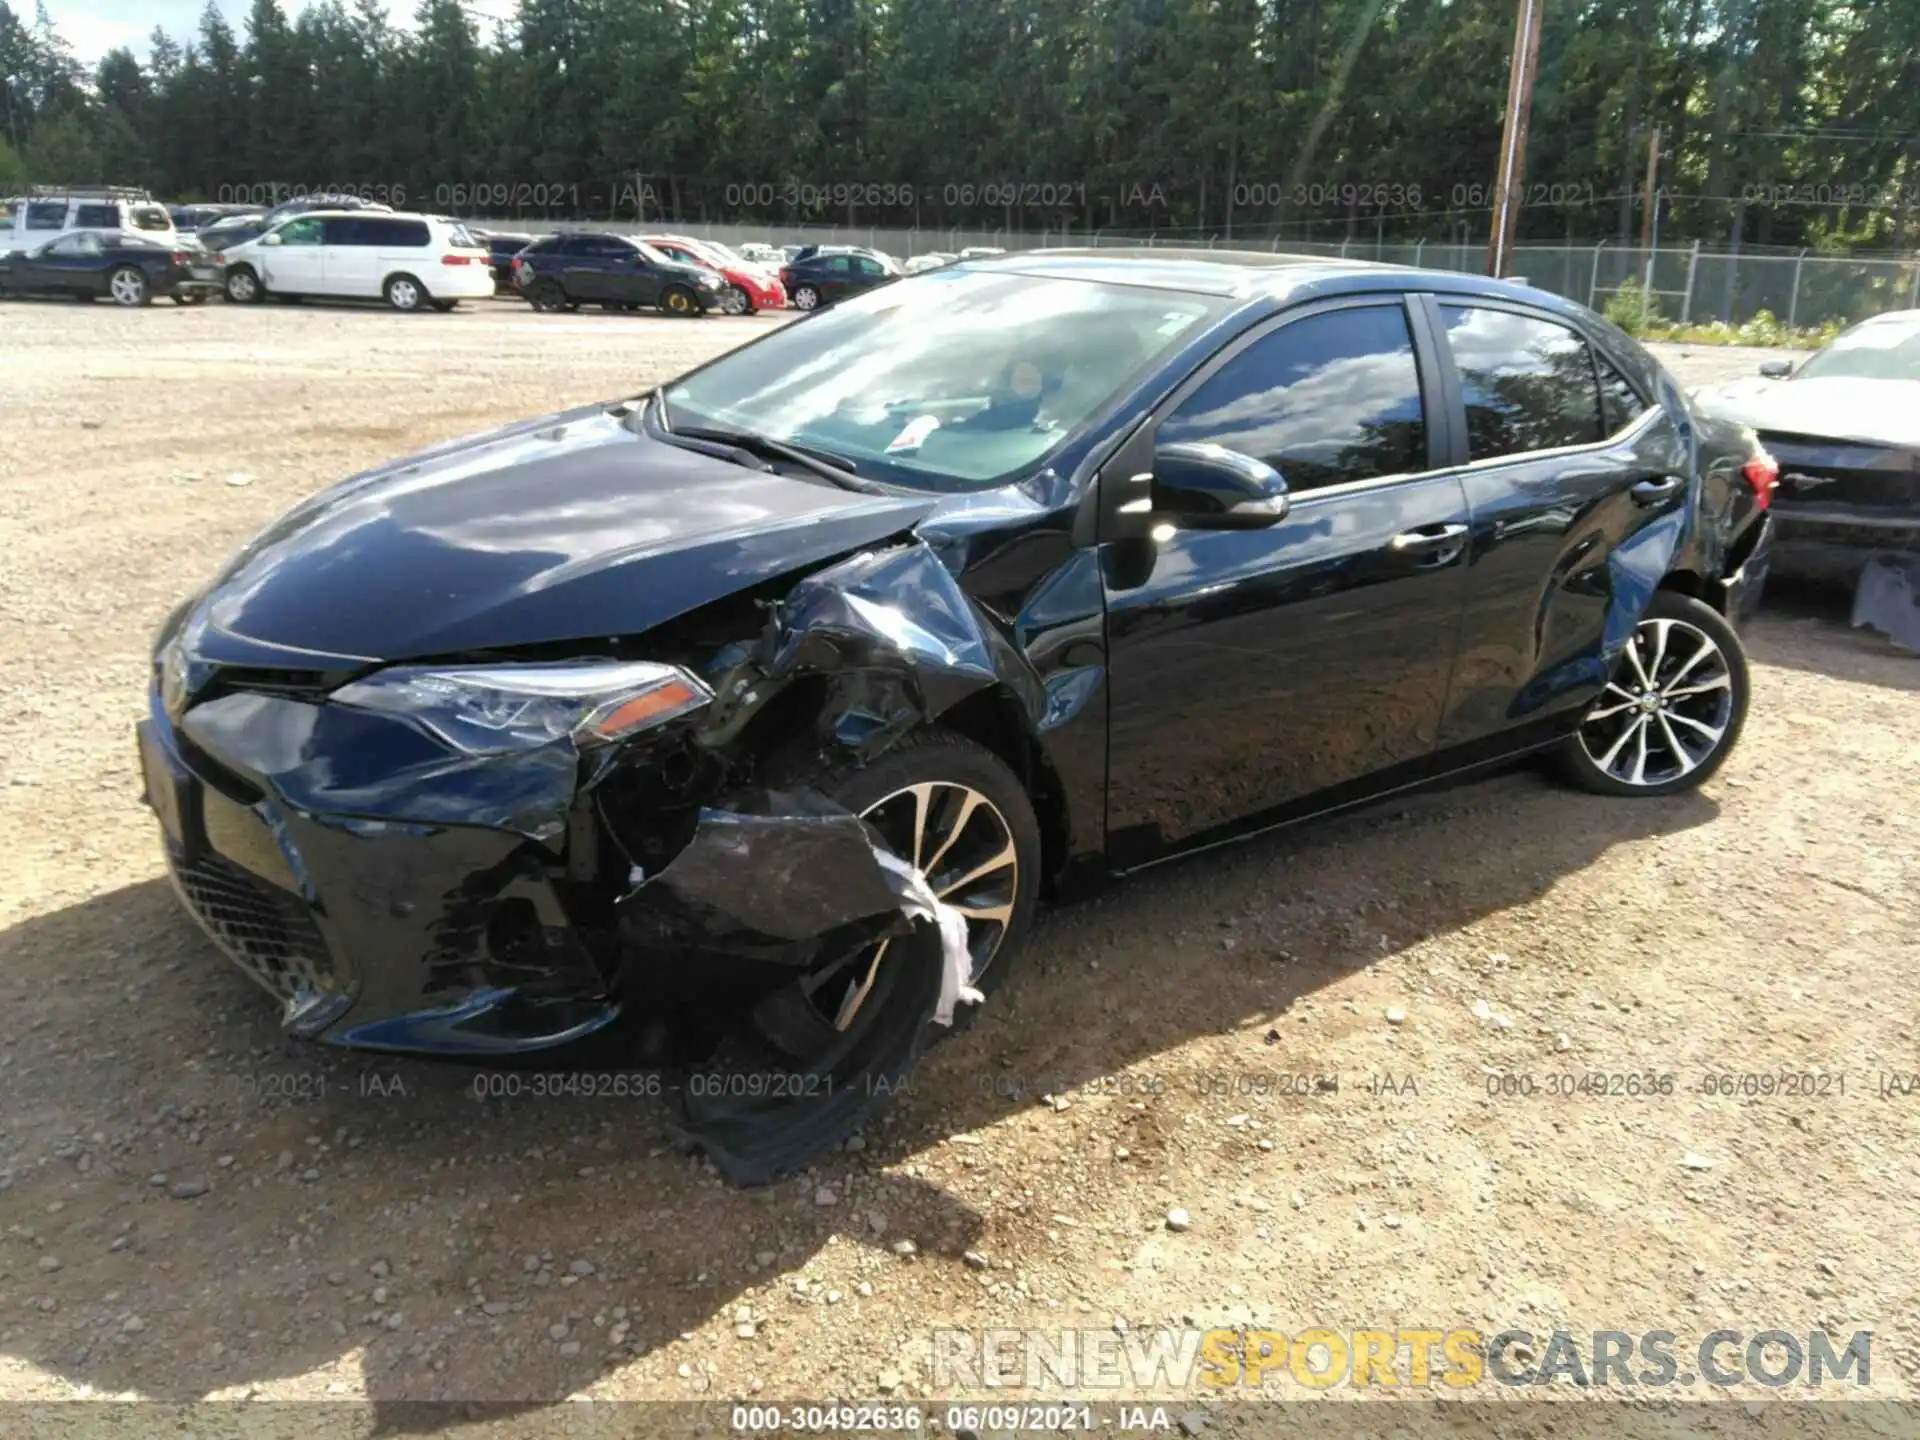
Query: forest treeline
point(1784, 122)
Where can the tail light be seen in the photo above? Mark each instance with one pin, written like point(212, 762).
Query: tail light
point(180, 257)
point(456, 259)
point(1762, 472)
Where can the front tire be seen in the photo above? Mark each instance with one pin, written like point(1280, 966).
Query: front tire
point(404, 293)
point(1673, 710)
point(735, 301)
point(244, 287)
point(679, 301)
point(128, 287)
point(858, 1021)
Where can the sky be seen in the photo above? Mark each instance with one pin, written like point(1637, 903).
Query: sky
point(93, 27)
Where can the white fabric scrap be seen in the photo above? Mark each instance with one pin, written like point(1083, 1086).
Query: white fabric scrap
point(920, 903)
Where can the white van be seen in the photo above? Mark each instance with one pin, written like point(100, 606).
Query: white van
point(410, 261)
point(49, 212)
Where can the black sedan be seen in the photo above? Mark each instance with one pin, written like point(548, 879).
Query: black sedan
point(826, 275)
point(127, 268)
point(571, 269)
point(1845, 429)
point(742, 725)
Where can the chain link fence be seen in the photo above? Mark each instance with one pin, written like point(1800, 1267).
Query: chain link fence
point(1686, 283)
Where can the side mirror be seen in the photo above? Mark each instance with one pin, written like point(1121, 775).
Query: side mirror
point(1209, 487)
point(1776, 369)
point(272, 237)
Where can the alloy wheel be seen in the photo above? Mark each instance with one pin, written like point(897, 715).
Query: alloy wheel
point(679, 302)
point(127, 287)
point(734, 301)
point(1668, 709)
point(805, 298)
point(242, 286)
point(959, 839)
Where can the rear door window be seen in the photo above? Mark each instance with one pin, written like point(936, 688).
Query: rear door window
point(398, 234)
point(1528, 384)
point(46, 214)
point(97, 217)
point(347, 230)
point(1620, 403)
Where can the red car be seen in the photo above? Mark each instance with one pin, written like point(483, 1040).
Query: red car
point(749, 286)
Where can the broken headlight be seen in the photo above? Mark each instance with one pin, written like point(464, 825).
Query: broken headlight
point(497, 709)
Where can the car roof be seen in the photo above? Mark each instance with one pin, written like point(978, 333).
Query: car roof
point(1256, 275)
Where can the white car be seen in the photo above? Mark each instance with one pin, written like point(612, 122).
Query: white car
point(410, 261)
point(49, 213)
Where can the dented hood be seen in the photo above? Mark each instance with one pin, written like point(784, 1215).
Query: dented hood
point(565, 528)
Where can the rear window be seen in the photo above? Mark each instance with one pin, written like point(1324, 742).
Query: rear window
point(97, 217)
point(148, 217)
point(460, 238)
point(46, 214)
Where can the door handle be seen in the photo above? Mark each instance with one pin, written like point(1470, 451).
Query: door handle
point(1656, 488)
point(1426, 539)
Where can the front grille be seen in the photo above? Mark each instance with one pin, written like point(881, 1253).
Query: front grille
point(267, 932)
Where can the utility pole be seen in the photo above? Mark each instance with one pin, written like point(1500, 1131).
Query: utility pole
point(1649, 224)
point(1513, 135)
point(1653, 170)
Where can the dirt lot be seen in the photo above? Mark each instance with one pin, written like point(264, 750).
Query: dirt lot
point(191, 1206)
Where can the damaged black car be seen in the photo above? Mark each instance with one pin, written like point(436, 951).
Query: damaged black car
point(742, 724)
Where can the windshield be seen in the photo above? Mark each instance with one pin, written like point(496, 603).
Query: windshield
point(1877, 350)
point(950, 380)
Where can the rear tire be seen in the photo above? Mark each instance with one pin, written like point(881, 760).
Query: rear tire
point(1673, 710)
point(805, 297)
point(405, 294)
point(129, 288)
point(547, 297)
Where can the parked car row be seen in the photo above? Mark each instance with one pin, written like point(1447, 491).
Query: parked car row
point(346, 247)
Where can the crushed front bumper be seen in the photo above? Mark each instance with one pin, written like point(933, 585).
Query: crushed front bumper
point(429, 938)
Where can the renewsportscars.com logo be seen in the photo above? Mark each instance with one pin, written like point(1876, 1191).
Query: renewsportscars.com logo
point(1182, 1361)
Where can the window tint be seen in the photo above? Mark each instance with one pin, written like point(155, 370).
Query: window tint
point(870, 267)
point(605, 246)
point(343, 231)
point(46, 214)
point(1324, 400)
point(1528, 384)
point(97, 217)
point(840, 264)
point(1620, 403)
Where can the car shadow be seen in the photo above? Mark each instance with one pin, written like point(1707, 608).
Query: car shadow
point(1805, 625)
point(373, 1213)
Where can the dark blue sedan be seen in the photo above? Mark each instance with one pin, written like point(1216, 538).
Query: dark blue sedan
point(128, 269)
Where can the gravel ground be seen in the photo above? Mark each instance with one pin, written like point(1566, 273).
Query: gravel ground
point(191, 1206)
